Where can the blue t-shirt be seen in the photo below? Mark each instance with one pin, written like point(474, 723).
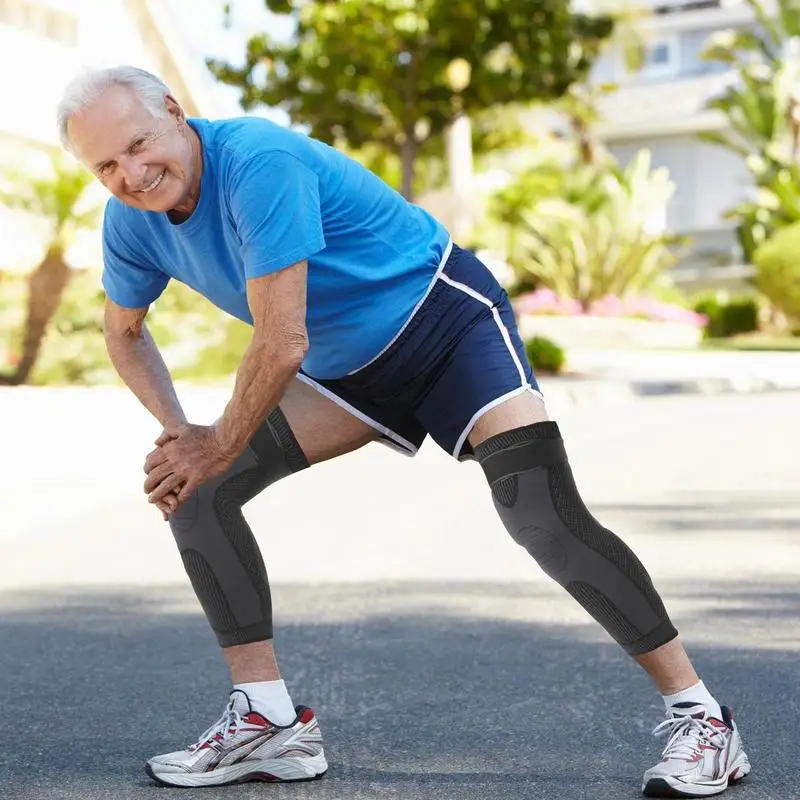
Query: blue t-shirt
point(270, 197)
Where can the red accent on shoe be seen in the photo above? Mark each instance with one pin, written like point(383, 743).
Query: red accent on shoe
point(721, 724)
point(306, 716)
point(265, 777)
point(254, 718)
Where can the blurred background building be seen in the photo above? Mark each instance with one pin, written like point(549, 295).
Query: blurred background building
point(43, 43)
point(661, 107)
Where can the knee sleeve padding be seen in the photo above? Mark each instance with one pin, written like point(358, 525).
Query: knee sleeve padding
point(219, 552)
point(537, 499)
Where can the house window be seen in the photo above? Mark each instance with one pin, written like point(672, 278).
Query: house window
point(42, 20)
point(661, 58)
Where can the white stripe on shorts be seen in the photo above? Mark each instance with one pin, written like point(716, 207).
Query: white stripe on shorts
point(524, 385)
point(397, 442)
point(481, 411)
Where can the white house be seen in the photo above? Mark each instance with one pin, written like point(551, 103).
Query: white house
point(43, 43)
point(661, 108)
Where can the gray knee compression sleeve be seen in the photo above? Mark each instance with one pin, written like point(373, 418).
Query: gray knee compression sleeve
point(218, 549)
point(536, 497)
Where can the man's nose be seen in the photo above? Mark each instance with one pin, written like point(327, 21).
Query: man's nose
point(133, 171)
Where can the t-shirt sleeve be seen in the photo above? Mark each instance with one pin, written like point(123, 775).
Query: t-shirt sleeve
point(128, 279)
point(275, 203)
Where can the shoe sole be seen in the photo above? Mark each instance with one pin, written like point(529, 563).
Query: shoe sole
point(276, 770)
point(660, 787)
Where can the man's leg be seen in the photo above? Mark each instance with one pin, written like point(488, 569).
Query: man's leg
point(225, 566)
point(523, 457)
point(321, 430)
point(668, 664)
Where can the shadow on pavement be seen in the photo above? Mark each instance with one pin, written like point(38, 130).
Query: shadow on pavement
point(418, 696)
point(712, 511)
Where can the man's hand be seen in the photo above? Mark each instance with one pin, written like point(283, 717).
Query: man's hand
point(167, 505)
point(186, 456)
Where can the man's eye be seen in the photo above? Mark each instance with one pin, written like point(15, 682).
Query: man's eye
point(137, 145)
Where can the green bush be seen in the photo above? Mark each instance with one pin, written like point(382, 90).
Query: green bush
point(728, 317)
point(221, 359)
point(198, 340)
point(545, 355)
point(73, 350)
point(13, 297)
point(740, 316)
point(777, 264)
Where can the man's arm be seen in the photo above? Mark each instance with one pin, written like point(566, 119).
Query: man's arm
point(139, 363)
point(278, 305)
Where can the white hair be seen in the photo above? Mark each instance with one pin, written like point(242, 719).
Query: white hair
point(85, 88)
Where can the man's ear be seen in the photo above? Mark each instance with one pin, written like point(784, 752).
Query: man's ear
point(175, 110)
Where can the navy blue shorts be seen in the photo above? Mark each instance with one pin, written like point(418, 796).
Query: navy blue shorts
point(457, 356)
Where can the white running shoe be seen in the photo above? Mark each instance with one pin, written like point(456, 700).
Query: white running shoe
point(244, 746)
point(702, 756)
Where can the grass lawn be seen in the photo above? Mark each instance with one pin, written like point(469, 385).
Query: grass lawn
point(754, 342)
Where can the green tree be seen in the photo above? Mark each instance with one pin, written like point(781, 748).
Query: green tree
point(396, 73)
point(762, 109)
point(55, 198)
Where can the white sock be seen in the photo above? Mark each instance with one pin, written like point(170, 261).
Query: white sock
point(271, 699)
point(695, 694)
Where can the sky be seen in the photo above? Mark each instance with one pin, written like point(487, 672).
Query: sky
point(200, 24)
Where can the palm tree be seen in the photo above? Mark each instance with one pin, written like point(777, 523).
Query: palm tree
point(762, 108)
point(56, 199)
point(581, 103)
point(584, 229)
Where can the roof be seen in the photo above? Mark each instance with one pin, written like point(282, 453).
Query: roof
point(661, 107)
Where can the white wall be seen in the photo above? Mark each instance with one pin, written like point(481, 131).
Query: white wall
point(33, 67)
point(708, 179)
point(36, 65)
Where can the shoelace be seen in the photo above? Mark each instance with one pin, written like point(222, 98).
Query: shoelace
point(686, 734)
point(226, 726)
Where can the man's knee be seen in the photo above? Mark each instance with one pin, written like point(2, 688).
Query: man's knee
point(219, 552)
point(539, 503)
point(273, 453)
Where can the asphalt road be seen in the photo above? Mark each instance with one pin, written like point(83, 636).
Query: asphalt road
point(441, 662)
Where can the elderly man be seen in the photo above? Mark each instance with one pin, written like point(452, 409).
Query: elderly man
point(369, 323)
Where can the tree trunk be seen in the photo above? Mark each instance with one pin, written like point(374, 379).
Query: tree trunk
point(45, 288)
point(582, 135)
point(587, 150)
point(408, 155)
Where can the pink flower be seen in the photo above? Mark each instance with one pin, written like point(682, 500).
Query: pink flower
point(545, 301)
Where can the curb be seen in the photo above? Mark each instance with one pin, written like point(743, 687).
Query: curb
point(583, 390)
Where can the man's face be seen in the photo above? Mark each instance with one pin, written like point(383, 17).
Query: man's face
point(145, 161)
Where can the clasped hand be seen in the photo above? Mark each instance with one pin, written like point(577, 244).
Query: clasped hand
point(185, 457)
